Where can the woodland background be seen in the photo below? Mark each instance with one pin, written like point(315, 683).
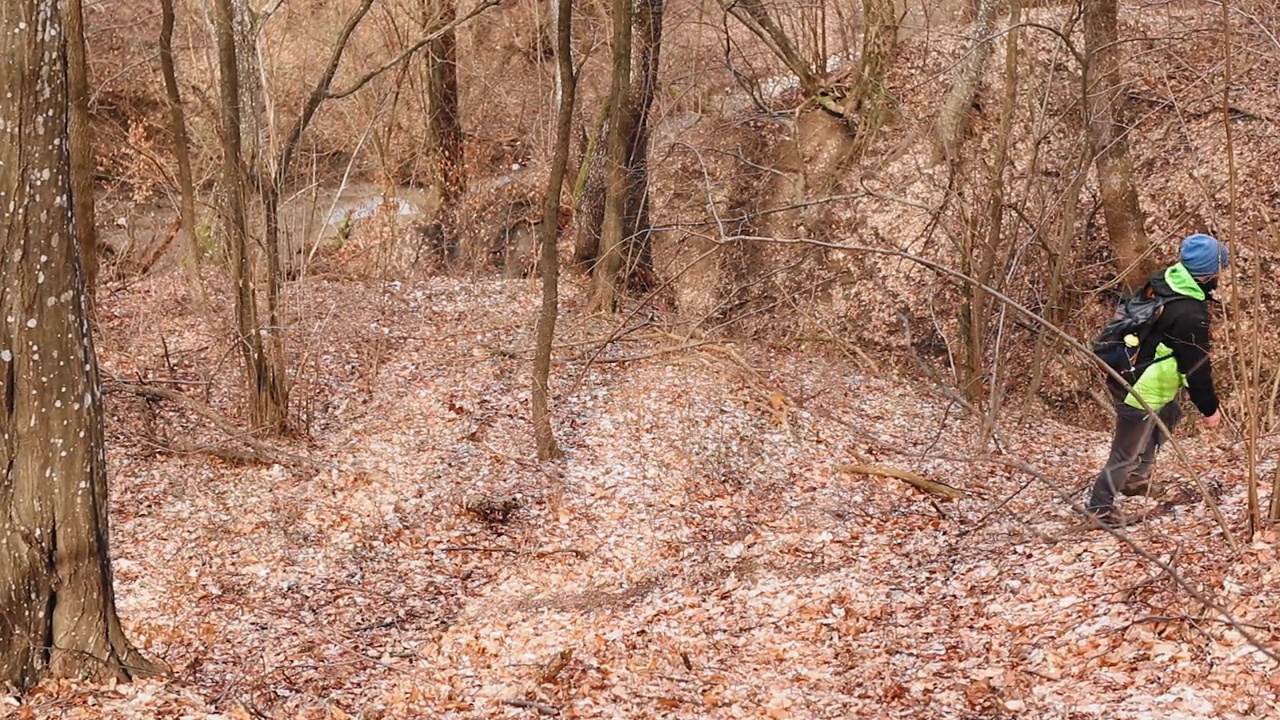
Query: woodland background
point(763, 328)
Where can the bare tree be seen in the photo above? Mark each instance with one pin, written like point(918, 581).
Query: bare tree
point(1104, 98)
point(624, 254)
point(648, 36)
point(262, 346)
point(268, 399)
point(610, 259)
point(182, 151)
point(753, 15)
point(549, 262)
point(81, 140)
point(444, 121)
point(57, 607)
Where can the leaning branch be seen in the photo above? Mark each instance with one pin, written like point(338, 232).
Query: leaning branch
point(409, 51)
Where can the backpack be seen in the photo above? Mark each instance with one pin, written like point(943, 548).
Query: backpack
point(1118, 344)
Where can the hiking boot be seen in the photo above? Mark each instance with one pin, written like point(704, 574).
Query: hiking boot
point(1109, 517)
point(1144, 488)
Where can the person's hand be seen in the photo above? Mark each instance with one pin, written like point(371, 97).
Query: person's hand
point(1213, 420)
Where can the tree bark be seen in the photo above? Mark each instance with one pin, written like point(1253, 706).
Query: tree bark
point(1104, 99)
point(445, 127)
point(267, 399)
point(182, 151)
point(612, 227)
point(81, 140)
point(57, 606)
point(549, 262)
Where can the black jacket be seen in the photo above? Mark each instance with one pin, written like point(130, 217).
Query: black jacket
point(1183, 326)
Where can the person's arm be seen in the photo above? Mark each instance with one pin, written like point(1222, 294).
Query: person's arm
point(1188, 337)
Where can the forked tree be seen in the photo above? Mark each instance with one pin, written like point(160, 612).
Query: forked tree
point(268, 395)
point(57, 608)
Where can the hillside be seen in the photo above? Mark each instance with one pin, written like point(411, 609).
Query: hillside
point(737, 527)
point(696, 550)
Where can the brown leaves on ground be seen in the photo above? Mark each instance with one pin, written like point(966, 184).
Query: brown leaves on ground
point(690, 556)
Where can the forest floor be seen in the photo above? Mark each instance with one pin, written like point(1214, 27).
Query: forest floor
point(696, 553)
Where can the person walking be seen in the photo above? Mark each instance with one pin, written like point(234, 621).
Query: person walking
point(1173, 355)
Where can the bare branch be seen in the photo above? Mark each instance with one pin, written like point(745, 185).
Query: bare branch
point(321, 90)
point(409, 51)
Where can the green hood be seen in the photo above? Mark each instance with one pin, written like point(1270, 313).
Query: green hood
point(1181, 282)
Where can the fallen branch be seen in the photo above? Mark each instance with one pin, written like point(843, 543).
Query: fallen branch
point(476, 548)
point(542, 708)
point(911, 478)
point(260, 451)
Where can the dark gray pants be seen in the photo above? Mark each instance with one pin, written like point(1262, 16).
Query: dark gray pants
point(1133, 453)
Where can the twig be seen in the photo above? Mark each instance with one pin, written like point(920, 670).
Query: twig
point(542, 708)
point(581, 555)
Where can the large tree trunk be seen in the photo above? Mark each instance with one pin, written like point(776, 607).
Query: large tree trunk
point(182, 151)
point(549, 262)
point(267, 398)
point(81, 139)
point(1107, 136)
point(445, 127)
point(57, 609)
point(613, 228)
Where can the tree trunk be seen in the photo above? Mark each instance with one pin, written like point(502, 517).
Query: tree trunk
point(953, 118)
point(266, 392)
point(57, 605)
point(612, 228)
point(589, 206)
point(445, 128)
point(1103, 97)
point(638, 248)
point(81, 139)
point(865, 108)
point(549, 261)
point(182, 151)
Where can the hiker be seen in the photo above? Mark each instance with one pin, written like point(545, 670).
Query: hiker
point(1174, 353)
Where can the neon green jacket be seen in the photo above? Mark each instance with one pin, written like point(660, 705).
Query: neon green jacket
point(1161, 380)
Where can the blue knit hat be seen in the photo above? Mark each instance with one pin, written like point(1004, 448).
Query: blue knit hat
point(1203, 256)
